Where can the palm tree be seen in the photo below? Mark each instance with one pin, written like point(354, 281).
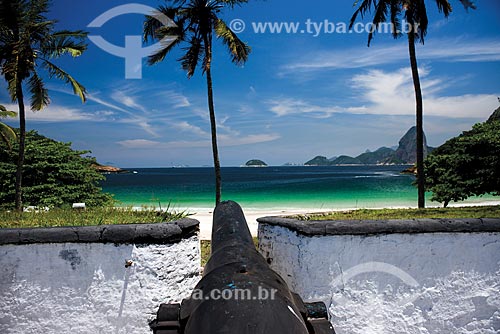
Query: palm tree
point(415, 15)
point(7, 135)
point(27, 44)
point(196, 23)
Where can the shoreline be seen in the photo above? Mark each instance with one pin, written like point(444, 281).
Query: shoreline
point(204, 215)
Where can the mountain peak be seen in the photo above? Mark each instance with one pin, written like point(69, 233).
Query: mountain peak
point(407, 149)
point(495, 116)
point(405, 153)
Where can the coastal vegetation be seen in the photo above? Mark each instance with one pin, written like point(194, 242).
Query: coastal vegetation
point(414, 14)
point(29, 43)
point(369, 214)
point(197, 21)
point(55, 175)
point(467, 165)
point(67, 216)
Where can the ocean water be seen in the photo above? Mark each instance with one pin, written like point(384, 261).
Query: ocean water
point(269, 188)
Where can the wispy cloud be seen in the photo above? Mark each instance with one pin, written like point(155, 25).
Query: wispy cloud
point(187, 127)
point(224, 141)
point(456, 50)
point(97, 100)
point(134, 104)
point(290, 106)
point(247, 140)
point(176, 99)
point(391, 93)
point(127, 100)
point(60, 114)
point(139, 143)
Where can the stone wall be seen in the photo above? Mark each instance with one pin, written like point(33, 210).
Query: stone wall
point(415, 276)
point(107, 279)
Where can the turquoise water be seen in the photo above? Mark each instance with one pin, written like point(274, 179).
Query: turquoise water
point(277, 188)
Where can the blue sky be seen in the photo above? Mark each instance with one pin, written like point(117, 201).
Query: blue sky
point(298, 96)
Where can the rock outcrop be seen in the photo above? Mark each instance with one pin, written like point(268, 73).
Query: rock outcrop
point(108, 169)
point(255, 163)
point(407, 150)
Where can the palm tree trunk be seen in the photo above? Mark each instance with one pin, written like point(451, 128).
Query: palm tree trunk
point(213, 123)
point(420, 127)
point(22, 140)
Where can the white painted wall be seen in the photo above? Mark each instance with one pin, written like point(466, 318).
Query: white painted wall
point(396, 283)
point(85, 288)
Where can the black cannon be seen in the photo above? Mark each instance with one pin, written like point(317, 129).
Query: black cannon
point(239, 293)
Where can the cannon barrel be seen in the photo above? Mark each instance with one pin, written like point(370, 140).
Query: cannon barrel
point(239, 292)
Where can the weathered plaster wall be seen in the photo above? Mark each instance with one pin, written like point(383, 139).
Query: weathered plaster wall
point(85, 287)
point(442, 282)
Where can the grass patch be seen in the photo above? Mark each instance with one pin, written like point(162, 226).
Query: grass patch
point(87, 217)
point(205, 250)
point(366, 214)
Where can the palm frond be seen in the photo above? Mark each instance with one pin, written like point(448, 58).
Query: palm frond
point(10, 12)
point(7, 135)
point(444, 7)
point(192, 56)
point(381, 11)
point(78, 34)
point(59, 45)
point(196, 21)
point(6, 113)
point(12, 82)
point(36, 8)
point(416, 15)
point(238, 49)
point(170, 32)
point(57, 72)
point(363, 8)
point(159, 55)
point(396, 22)
point(39, 31)
point(152, 24)
point(468, 4)
point(39, 94)
point(179, 3)
point(149, 28)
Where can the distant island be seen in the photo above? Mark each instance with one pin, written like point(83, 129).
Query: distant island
point(255, 163)
point(404, 154)
point(108, 169)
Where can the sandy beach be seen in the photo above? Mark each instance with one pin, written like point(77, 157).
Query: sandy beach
point(205, 217)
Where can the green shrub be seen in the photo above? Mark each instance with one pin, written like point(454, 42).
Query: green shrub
point(54, 175)
point(467, 165)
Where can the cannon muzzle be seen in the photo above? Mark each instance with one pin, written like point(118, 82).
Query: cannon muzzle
point(239, 293)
